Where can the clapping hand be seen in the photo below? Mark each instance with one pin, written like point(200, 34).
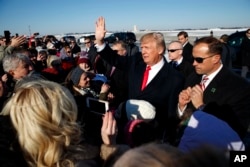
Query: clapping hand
point(196, 96)
point(184, 97)
point(105, 88)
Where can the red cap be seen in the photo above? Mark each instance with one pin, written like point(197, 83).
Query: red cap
point(83, 60)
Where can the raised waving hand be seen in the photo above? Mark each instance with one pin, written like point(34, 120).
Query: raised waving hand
point(100, 30)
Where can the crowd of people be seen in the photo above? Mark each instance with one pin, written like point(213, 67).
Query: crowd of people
point(161, 113)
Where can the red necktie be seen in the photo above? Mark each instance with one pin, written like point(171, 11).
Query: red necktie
point(145, 77)
point(203, 81)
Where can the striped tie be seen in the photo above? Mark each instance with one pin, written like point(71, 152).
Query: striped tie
point(203, 81)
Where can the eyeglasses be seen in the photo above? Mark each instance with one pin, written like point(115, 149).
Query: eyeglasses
point(201, 59)
point(173, 50)
point(86, 42)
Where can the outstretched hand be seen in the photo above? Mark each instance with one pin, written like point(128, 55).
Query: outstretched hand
point(17, 41)
point(100, 30)
point(109, 129)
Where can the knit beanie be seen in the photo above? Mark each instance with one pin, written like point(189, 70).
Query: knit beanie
point(76, 75)
point(140, 109)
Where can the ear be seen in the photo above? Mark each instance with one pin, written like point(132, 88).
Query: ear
point(217, 58)
point(160, 51)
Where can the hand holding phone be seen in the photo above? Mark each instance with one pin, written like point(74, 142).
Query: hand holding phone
point(97, 106)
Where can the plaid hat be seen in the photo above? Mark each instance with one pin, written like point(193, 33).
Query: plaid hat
point(140, 109)
point(76, 75)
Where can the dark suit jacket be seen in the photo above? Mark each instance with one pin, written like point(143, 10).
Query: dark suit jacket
point(97, 63)
point(162, 92)
point(228, 55)
point(185, 68)
point(119, 86)
point(228, 97)
point(76, 49)
point(187, 52)
point(132, 49)
point(245, 51)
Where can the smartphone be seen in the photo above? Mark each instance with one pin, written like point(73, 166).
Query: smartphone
point(97, 106)
point(7, 36)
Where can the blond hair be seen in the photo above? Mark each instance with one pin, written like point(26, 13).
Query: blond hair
point(44, 115)
point(53, 59)
point(157, 37)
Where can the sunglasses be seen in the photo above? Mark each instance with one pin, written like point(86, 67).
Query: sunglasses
point(201, 59)
point(68, 51)
point(173, 50)
point(86, 42)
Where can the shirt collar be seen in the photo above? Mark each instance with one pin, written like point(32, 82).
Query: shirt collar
point(179, 61)
point(212, 75)
point(158, 65)
point(185, 43)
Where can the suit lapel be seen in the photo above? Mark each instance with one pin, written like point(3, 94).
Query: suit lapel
point(210, 91)
point(139, 72)
point(214, 86)
point(155, 80)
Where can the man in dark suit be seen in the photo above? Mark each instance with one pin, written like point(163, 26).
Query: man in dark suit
point(74, 47)
point(163, 84)
point(245, 54)
point(97, 64)
point(175, 51)
point(187, 47)
point(118, 78)
point(228, 54)
point(225, 94)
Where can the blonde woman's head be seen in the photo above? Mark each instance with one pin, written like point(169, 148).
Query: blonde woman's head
point(44, 115)
point(53, 60)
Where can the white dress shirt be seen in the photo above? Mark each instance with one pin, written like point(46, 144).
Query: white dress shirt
point(154, 70)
